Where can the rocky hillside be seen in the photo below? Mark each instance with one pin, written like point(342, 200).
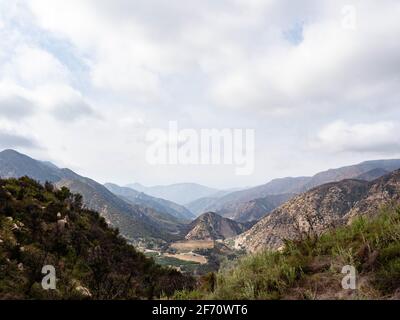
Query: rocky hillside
point(319, 209)
point(41, 225)
point(211, 226)
point(284, 188)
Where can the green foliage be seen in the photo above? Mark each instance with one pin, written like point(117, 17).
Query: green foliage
point(311, 268)
point(91, 259)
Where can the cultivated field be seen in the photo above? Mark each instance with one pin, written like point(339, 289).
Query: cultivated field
point(188, 257)
point(185, 246)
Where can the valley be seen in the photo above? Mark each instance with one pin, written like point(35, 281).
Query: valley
point(197, 243)
point(196, 257)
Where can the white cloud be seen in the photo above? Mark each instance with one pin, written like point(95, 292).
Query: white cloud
point(379, 137)
point(15, 107)
point(122, 66)
point(32, 66)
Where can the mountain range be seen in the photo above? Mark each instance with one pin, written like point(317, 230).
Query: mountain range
point(254, 203)
point(181, 193)
point(133, 220)
point(141, 198)
point(321, 208)
point(139, 215)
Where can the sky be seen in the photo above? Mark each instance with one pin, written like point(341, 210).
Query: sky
point(83, 81)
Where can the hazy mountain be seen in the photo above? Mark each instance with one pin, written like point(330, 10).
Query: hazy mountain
point(228, 205)
point(211, 226)
point(321, 208)
point(181, 193)
point(134, 221)
point(140, 198)
point(254, 209)
point(351, 172)
point(372, 174)
point(200, 206)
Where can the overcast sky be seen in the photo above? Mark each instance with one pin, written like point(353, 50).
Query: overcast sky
point(82, 81)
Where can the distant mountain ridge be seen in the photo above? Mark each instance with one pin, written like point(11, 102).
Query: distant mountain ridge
point(285, 188)
point(321, 208)
point(140, 198)
point(181, 193)
point(253, 210)
point(372, 174)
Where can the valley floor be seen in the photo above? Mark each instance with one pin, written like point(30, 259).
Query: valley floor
point(196, 257)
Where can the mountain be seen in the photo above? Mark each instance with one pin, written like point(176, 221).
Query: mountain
point(200, 206)
point(211, 226)
point(158, 204)
point(228, 205)
point(241, 206)
point(321, 208)
point(372, 174)
point(351, 172)
point(180, 193)
point(255, 209)
point(14, 164)
point(133, 221)
point(41, 225)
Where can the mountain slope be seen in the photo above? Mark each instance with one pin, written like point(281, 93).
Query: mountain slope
point(180, 193)
point(290, 186)
point(319, 209)
point(134, 221)
point(210, 226)
point(255, 209)
point(40, 225)
point(14, 164)
point(312, 268)
point(373, 174)
point(351, 172)
point(158, 204)
point(200, 206)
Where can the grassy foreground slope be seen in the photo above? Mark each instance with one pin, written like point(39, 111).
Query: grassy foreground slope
point(310, 268)
point(41, 225)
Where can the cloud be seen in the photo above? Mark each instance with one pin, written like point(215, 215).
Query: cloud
point(10, 140)
point(281, 67)
point(72, 110)
point(270, 56)
point(15, 107)
point(31, 66)
point(340, 136)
